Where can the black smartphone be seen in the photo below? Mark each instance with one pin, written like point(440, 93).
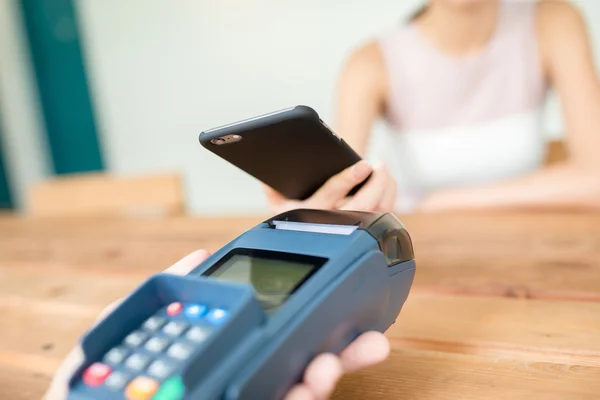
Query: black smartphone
point(292, 150)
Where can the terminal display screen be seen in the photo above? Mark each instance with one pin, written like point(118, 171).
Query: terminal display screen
point(274, 276)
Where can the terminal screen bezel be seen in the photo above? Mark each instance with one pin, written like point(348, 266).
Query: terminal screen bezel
point(314, 262)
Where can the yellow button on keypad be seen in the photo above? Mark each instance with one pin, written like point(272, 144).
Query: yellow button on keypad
point(141, 388)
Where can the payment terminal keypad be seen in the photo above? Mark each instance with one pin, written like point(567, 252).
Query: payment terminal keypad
point(143, 365)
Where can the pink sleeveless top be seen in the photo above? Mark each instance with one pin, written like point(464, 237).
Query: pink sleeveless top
point(462, 121)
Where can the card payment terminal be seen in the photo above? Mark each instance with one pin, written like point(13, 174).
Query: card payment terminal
point(245, 323)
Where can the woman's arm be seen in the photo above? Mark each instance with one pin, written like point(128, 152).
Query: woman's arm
point(568, 62)
point(361, 95)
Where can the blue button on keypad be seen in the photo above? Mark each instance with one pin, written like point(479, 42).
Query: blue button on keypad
point(217, 316)
point(195, 311)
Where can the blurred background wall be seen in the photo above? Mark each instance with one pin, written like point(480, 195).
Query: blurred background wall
point(137, 80)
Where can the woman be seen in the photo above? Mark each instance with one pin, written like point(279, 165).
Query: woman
point(462, 84)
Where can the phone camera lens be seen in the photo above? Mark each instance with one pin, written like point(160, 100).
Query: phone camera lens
point(226, 139)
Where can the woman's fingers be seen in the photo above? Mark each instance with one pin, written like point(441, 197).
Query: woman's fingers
point(300, 392)
point(273, 196)
point(368, 349)
point(59, 385)
point(338, 186)
point(371, 194)
point(388, 200)
point(279, 203)
point(188, 263)
point(334, 192)
point(323, 374)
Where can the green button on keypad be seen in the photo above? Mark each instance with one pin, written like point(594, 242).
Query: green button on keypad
point(172, 389)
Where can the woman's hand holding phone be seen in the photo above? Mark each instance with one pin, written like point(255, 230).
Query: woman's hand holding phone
point(292, 151)
point(378, 194)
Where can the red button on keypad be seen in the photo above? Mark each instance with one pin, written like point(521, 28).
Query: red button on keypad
point(96, 374)
point(174, 308)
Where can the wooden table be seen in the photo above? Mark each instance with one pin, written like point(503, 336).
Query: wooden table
point(504, 306)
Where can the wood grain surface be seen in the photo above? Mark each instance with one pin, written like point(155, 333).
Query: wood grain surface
point(504, 306)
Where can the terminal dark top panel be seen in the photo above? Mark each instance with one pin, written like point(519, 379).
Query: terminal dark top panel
point(393, 238)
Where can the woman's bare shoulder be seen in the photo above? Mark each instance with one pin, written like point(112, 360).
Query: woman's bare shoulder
point(558, 17)
point(367, 57)
point(560, 25)
point(365, 67)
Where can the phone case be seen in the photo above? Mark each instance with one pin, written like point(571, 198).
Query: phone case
point(293, 151)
